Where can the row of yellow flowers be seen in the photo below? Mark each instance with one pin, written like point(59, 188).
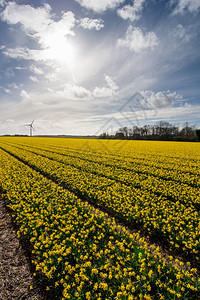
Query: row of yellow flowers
point(134, 175)
point(167, 167)
point(178, 223)
point(79, 251)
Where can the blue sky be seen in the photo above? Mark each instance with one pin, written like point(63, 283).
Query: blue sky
point(85, 66)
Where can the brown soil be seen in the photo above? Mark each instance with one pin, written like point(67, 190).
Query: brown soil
point(15, 274)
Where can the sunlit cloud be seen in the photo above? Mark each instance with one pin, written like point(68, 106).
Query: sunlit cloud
point(143, 116)
point(25, 54)
point(34, 78)
point(24, 94)
point(13, 85)
point(136, 41)
point(158, 100)
point(103, 92)
point(20, 68)
point(32, 19)
point(112, 85)
point(74, 92)
point(183, 6)
point(87, 23)
point(99, 6)
point(132, 12)
point(50, 35)
point(36, 70)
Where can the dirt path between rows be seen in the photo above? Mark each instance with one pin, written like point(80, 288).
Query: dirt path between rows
point(16, 280)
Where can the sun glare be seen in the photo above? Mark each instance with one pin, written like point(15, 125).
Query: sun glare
point(62, 50)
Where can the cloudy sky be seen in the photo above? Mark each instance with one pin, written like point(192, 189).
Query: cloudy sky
point(84, 66)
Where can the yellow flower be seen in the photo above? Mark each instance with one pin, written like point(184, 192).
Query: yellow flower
point(88, 295)
point(150, 273)
point(94, 271)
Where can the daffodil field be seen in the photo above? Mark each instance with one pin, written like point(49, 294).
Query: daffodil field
point(58, 191)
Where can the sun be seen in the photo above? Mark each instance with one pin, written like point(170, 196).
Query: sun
point(62, 51)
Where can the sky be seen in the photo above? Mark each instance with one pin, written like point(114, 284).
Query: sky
point(83, 67)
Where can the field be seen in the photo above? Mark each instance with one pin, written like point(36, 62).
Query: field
point(106, 219)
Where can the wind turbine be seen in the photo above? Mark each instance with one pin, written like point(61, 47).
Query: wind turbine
point(31, 127)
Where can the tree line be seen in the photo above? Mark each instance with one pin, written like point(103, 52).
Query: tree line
point(161, 131)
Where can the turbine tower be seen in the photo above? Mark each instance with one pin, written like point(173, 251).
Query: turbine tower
point(31, 127)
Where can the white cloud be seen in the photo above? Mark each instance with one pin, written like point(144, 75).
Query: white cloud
point(36, 70)
point(74, 92)
point(78, 92)
point(17, 53)
point(34, 78)
point(24, 94)
point(13, 85)
point(37, 23)
point(177, 97)
point(186, 5)
point(170, 113)
point(87, 23)
point(56, 32)
point(56, 52)
point(132, 12)
point(32, 19)
point(112, 85)
point(105, 92)
point(51, 109)
point(159, 100)
point(51, 76)
point(25, 53)
point(136, 41)
point(102, 92)
point(181, 33)
point(99, 5)
point(20, 68)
